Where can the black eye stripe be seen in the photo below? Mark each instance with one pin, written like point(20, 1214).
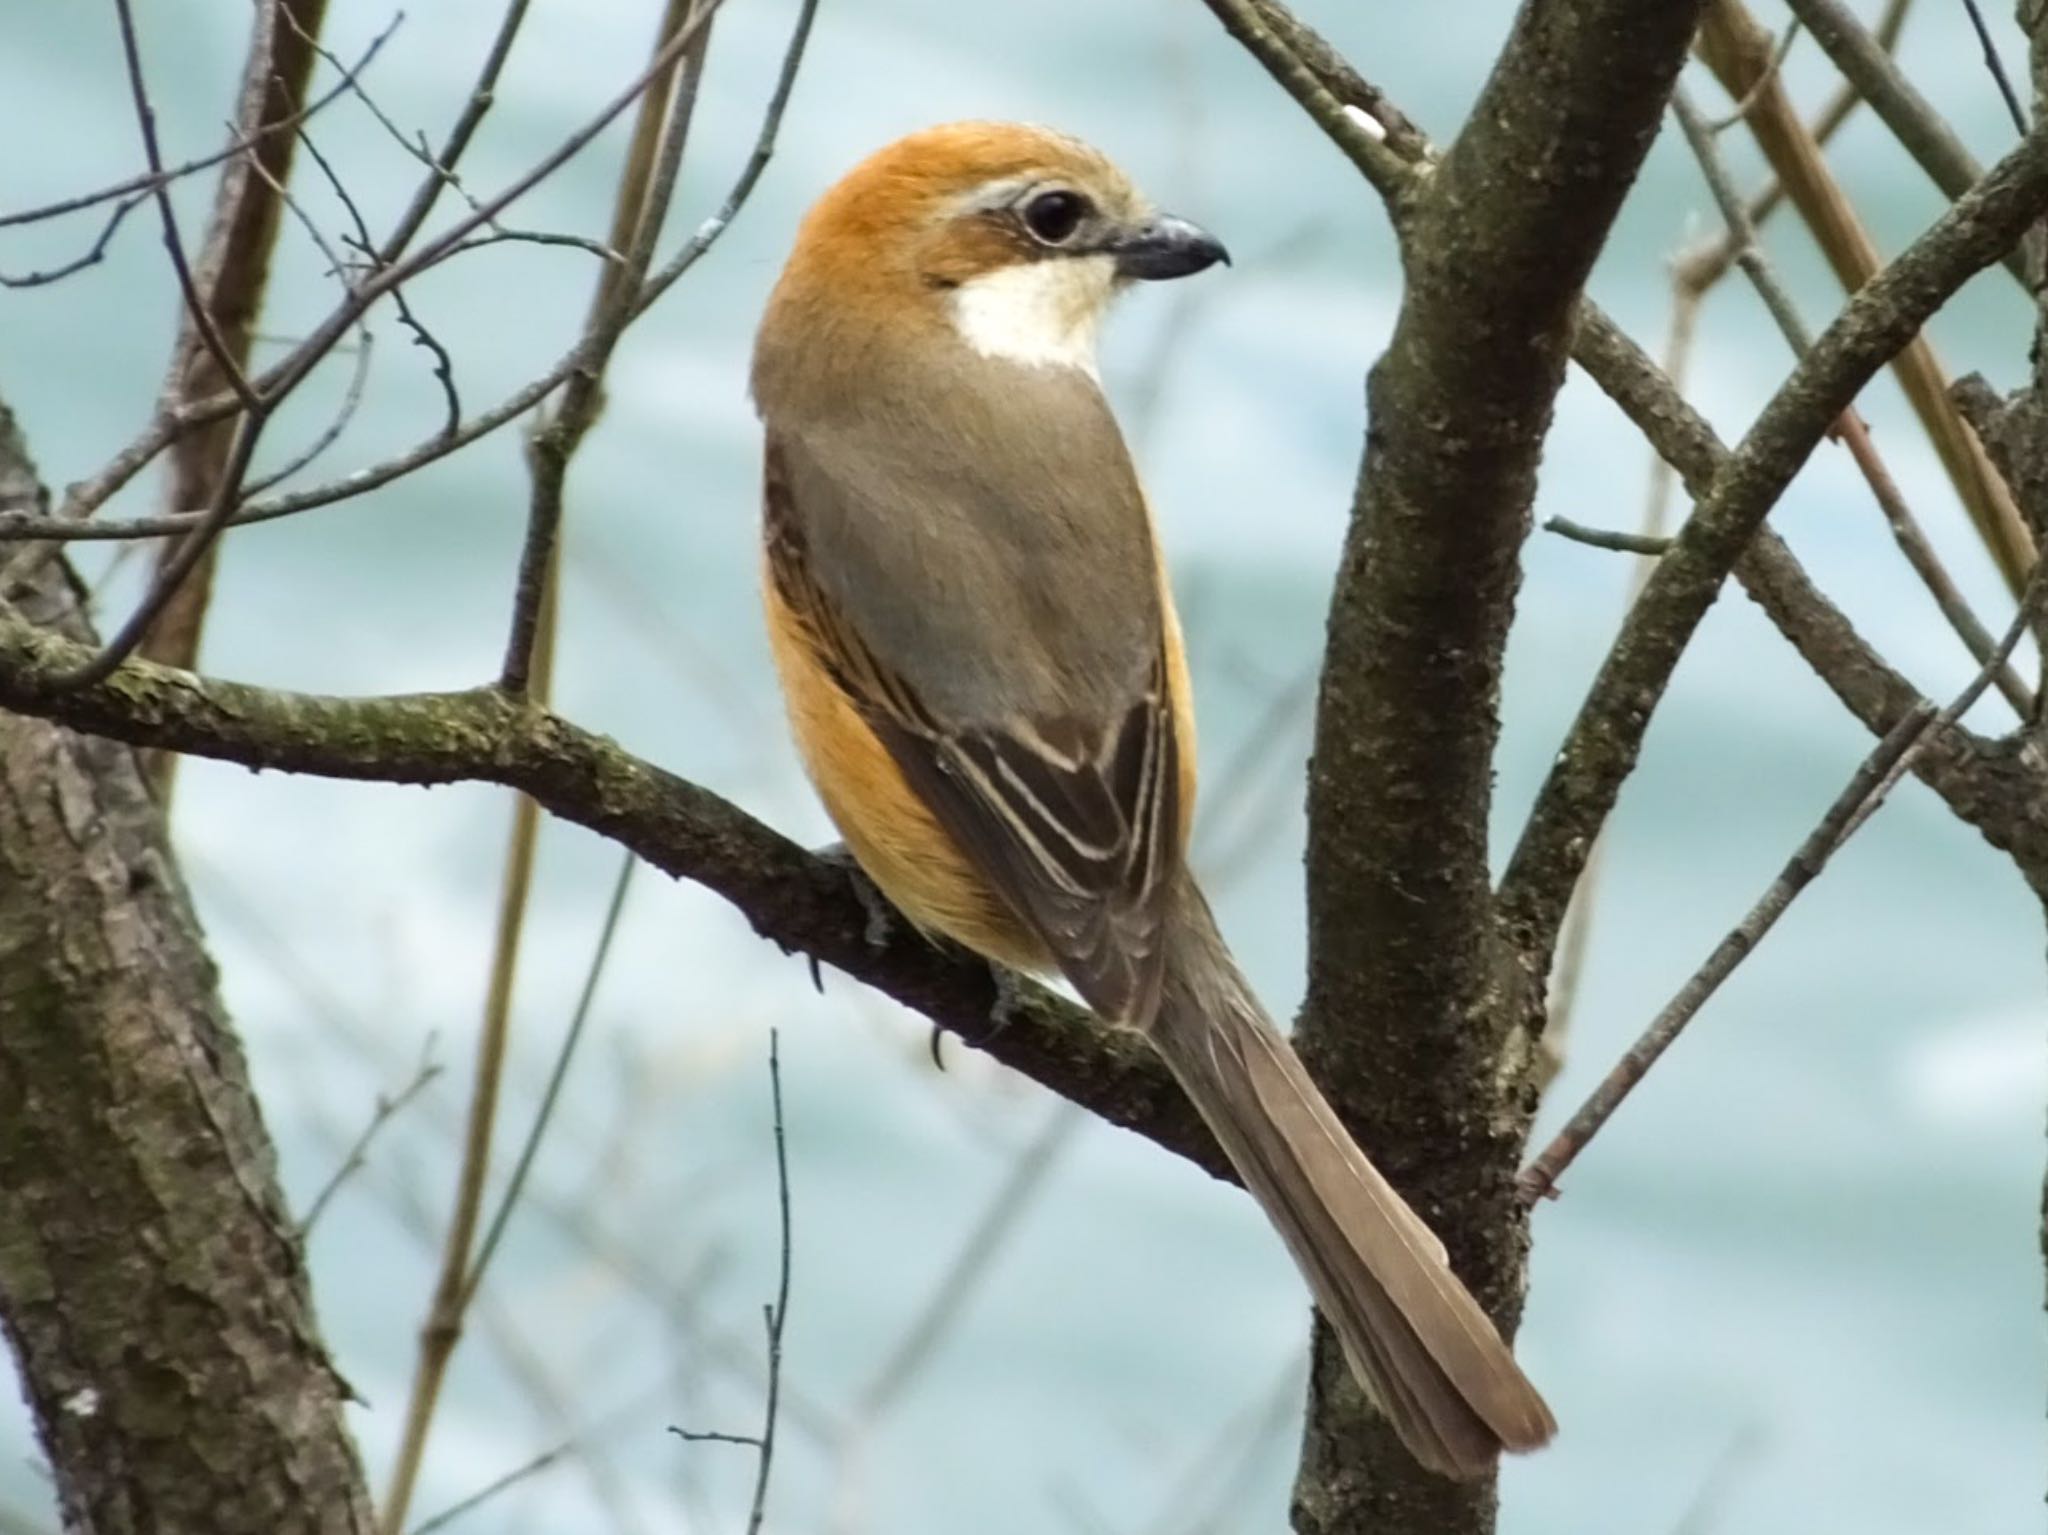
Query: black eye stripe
point(1052, 217)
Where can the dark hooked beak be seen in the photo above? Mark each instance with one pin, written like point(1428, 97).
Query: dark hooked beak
point(1167, 247)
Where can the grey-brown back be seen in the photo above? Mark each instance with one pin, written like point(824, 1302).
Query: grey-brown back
point(980, 524)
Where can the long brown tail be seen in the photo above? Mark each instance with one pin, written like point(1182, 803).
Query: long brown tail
point(1415, 1337)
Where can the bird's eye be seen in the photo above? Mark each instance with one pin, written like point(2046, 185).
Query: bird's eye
point(1054, 216)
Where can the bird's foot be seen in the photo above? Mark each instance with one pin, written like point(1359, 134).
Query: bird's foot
point(882, 917)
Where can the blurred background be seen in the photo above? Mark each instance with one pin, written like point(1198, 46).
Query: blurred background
point(1795, 1285)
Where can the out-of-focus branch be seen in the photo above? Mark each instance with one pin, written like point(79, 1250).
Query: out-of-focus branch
point(1737, 48)
point(774, 1316)
point(1708, 264)
point(1843, 815)
point(1868, 65)
point(654, 158)
point(232, 273)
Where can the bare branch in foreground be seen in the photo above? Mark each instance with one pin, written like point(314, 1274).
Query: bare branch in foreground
point(791, 897)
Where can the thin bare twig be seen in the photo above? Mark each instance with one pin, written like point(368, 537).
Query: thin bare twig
point(172, 423)
point(1868, 66)
point(777, 1315)
point(1755, 93)
point(646, 180)
point(224, 299)
point(1650, 545)
point(483, 92)
point(503, 236)
point(137, 190)
point(147, 182)
point(653, 159)
point(172, 573)
point(328, 436)
point(557, 1075)
point(483, 1495)
point(667, 1290)
point(64, 528)
point(1707, 265)
point(774, 1315)
point(388, 1108)
point(708, 233)
point(66, 525)
point(1575, 939)
point(1996, 65)
point(442, 1329)
point(1879, 773)
point(1735, 493)
point(92, 256)
point(1927, 564)
point(197, 309)
point(359, 378)
point(443, 365)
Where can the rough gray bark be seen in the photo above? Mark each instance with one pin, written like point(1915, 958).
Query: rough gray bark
point(151, 1282)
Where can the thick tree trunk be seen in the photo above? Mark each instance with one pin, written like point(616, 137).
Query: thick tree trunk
point(1419, 1018)
point(151, 1282)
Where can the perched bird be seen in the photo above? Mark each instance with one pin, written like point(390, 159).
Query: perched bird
point(984, 674)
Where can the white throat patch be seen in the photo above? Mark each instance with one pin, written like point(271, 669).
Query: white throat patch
point(1043, 314)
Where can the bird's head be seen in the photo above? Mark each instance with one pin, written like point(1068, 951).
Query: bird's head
point(1002, 237)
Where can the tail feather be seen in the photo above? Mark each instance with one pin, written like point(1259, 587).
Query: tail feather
point(1414, 1336)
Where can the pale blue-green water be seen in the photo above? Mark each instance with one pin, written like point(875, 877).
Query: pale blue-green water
point(1794, 1287)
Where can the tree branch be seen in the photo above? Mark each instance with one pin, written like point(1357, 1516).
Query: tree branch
point(1737, 49)
point(1498, 244)
point(1881, 318)
point(1404, 1023)
point(803, 903)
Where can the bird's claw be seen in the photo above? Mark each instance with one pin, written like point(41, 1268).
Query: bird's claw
point(1010, 1001)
